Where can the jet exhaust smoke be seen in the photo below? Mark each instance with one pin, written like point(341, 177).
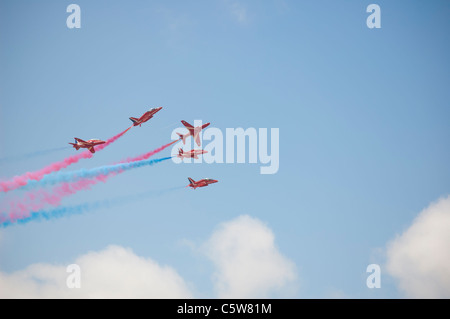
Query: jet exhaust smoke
point(22, 180)
point(39, 215)
point(36, 200)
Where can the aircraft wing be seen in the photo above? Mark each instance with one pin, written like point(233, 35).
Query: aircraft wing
point(187, 125)
point(197, 139)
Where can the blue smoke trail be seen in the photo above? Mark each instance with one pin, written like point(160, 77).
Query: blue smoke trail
point(60, 177)
point(83, 208)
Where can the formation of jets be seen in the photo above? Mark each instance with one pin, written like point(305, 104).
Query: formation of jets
point(195, 133)
point(192, 131)
point(89, 144)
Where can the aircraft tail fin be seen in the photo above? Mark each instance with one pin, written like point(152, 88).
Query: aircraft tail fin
point(191, 180)
point(133, 119)
point(76, 146)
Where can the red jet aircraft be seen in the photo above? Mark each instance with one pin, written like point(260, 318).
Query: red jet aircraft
point(145, 117)
point(89, 144)
point(190, 154)
point(201, 183)
point(193, 131)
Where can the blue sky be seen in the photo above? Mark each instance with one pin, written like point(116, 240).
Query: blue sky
point(363, 116)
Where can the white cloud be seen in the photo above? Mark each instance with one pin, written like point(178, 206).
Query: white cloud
point(420, 257)
point(248, 264)
point(114, 272)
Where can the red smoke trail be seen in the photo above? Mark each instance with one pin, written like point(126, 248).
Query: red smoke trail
point(22, 180)
point(147, 155)
point(37, 200)
point(111, 140)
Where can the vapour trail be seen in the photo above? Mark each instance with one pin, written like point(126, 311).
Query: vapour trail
point(38, 215)
point(22, 180)
point(61, 177)
point(37, 199)
point(148, 154)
